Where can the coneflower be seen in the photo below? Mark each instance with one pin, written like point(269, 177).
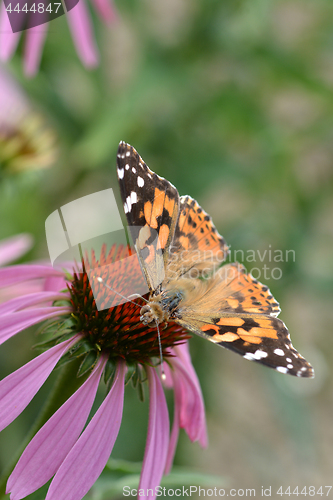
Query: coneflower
point(26, 141)
point(112, 343)
point(80, 26)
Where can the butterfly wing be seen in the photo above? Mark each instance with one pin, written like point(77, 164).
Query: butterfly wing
point(230, 308)
point(195, 231)
point(151, 205)
point(235, 311)
point(197, 247)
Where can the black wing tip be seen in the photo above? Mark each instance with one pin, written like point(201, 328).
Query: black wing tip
point(306, 372)
point(126, 151)
point(303, 370)
point(122, 148)
point(126, 154)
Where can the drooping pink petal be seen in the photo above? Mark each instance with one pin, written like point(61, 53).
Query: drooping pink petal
point(183, 354)
point(18, 389)
point(189, 411)
point(21, 272)
point(15, 322)
point(174, 434)
point(29, 300)
point(33, 48)
point(86, 460)
point(167, 380)
point(8, 39)
point(13, 248)
point(192, 411)
point(157, 438)
point(48, 449)
point(106, 10)
point(82, 33)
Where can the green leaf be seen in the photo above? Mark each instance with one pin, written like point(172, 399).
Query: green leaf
point(109, 371)
point(88, 362)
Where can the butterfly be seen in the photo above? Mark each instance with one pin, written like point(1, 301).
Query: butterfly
point(181, 255)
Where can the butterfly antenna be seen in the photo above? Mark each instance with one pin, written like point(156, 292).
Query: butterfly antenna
point(163, 376)
point(121, 295)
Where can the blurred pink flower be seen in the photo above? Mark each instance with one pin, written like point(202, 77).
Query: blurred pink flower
point(13, 248)
point(79, 25)
point(60, 448)
point(26, 141)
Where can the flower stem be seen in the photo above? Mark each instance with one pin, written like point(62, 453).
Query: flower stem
point(66, 384)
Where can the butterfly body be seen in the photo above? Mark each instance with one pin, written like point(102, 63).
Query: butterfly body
point(182, 257)
point(161, 308)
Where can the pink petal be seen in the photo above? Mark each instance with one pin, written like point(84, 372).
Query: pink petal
point(192, 411)
point(8, 39)
point(183, 353)
point(21, 272)
point(29, 300)
point(48, 449)
point(15, 322)
point(13, 248)
point(33, 48)
point(18, 389)
point(106, 10)
point(84, 41)
point(25, 288)
point(167, 380)
point(189, 409)
point(87, 459)
point(175, 430)
point(55, 283)
point(158, 436)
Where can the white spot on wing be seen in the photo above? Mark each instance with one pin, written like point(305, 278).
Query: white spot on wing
point(249, 356)
point(260, 354)
point(129, 204)
point(141, 182)
point(281, 369)
point(128, 153)
point(121, 173)
point(134, 197)
point(134, 170)
point(126, 208)
point(127, 166)
point(279, 352)
point(290, 366)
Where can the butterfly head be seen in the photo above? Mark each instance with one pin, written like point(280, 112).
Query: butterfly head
point(160, 308)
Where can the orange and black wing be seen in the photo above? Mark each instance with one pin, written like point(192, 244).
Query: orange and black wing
point(197, 248)
point(237, 312)
point(151, 205)
point(195, 231)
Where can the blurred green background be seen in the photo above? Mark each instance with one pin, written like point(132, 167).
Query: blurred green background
point(232, 101)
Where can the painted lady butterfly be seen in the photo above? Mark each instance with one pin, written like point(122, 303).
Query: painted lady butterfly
point(180, 252)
